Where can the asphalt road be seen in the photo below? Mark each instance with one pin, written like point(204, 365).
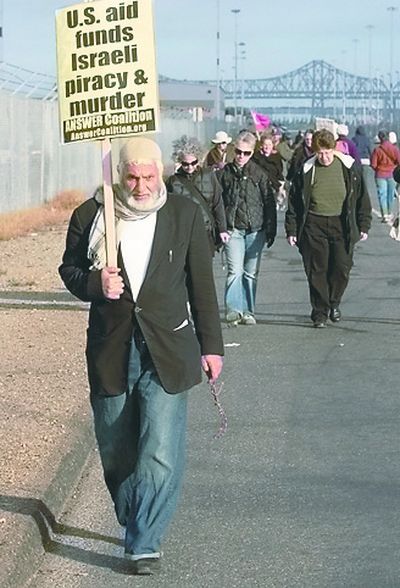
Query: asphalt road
point(303, 490)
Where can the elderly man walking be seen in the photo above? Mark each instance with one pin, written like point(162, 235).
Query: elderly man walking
point(329, 211)
point(143, 351)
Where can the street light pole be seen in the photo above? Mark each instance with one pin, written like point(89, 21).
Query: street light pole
point(355, 41)
point(235, 12)
point(218, 92)
point(392, 10)
point(370, 28)
point(242, 57)
point(1, 30)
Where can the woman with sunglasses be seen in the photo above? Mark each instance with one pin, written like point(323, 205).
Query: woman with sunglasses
point(200, 185)
point(251, 218)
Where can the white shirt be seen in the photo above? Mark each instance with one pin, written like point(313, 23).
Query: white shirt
point(136, 245)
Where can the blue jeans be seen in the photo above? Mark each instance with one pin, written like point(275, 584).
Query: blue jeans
point(386, 191)
point(141, 439)
point(243, 256)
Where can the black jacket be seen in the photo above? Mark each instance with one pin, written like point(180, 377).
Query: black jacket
point(356, 213)
point(206, 190)
point(300, 155)
point(179, 271)
point(249, 191)
point(272, 165)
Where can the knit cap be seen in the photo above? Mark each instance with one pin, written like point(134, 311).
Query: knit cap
point(139, 148)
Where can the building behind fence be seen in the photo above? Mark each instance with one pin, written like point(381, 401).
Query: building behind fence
point(34, 166)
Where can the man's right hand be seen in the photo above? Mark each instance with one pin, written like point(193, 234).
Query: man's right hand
point(111, 283)
point(212, 366)
point(292, 240)
point(225, 236)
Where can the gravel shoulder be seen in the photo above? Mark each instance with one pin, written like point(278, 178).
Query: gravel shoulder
point(43, 386)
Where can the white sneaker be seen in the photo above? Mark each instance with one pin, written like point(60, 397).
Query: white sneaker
point(233, 318)
point(248, 319)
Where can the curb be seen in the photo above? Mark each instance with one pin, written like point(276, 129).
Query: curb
point(38, 304)
point(38, 516)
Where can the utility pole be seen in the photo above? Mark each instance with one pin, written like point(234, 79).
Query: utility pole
point(1, 31)
point(370, 28)
point(218, 92)
point(242, 58)
point(355, 68)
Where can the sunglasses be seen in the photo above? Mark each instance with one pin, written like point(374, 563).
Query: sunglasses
point(187, 163)
point(240, 152)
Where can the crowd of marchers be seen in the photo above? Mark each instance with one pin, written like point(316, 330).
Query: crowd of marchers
point(319, 181)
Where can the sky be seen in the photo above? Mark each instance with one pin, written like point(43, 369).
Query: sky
point(278, 36)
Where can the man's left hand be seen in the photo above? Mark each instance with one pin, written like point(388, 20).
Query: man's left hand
point(212, 365)
point(363, 236)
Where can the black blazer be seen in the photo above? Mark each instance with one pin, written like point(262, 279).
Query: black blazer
point(179, 271)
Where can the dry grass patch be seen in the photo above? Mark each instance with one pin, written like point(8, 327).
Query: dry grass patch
point(23, 222)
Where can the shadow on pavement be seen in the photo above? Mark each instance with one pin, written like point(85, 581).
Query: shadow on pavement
point(47, 526)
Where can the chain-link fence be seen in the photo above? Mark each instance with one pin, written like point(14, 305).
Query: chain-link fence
point(34, 166)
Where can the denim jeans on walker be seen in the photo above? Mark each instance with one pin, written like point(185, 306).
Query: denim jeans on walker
point(386, 192)
point(141, 439)
point(243, 256)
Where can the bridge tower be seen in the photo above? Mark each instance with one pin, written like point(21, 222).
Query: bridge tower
point(319, 83)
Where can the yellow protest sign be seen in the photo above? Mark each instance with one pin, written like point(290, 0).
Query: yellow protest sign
point(107, 77)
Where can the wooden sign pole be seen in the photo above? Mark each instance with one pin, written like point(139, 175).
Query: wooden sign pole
point(109, 214)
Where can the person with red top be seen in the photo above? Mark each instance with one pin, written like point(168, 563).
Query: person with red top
point(384, 159)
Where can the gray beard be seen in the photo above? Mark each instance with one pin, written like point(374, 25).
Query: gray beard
point(134, 205)
point(126, 207)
